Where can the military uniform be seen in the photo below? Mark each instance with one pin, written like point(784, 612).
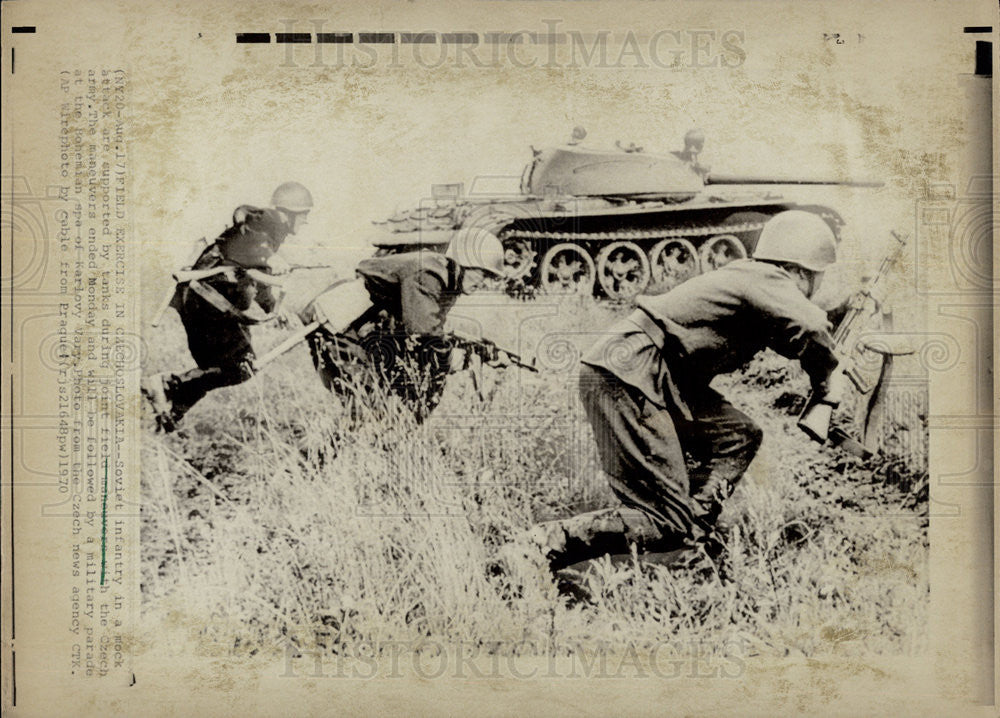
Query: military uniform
point(398, 345)
point(215, 310)
point(645, 389)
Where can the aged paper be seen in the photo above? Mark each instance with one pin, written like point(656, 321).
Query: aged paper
point(275, 556)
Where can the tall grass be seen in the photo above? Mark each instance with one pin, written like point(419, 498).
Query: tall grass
point(272, 517)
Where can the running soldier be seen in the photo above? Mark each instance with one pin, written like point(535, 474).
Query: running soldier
point(645, 390)
point(397, 344)
point(218, 308)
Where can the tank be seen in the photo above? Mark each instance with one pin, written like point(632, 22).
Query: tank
point(610, 222)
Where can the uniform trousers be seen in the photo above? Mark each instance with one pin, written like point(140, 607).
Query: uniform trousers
point(671, 472)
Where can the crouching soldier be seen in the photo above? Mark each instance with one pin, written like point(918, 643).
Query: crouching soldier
point(397, 344)
point(645, 389)
point(218, 308)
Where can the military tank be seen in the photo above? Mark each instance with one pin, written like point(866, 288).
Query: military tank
point(610, 222)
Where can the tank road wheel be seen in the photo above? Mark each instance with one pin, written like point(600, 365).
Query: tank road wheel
point(672, 261)
point(720, 251)
point(567, 269)
point(622, 270)
point(518, 257)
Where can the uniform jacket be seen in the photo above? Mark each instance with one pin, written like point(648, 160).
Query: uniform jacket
point(254, 237)
point(713, 324)
point(417, 289)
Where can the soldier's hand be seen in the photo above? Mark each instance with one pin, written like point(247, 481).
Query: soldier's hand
point(836, 388)
point(286, 319)
point(278, 264)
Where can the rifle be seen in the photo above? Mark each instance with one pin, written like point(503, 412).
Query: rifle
point(489, 351)
point(189, 275)
point(297, 337)
point(486, 351)
point(815, 417)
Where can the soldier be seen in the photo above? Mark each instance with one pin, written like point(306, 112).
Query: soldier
point(645, 390)
point(397, 344)
point(218, 308)
point(694, 142)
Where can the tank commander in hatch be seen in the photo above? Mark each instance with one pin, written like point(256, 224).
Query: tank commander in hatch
point(694, 143)
point(230, 292)
point(645, 390)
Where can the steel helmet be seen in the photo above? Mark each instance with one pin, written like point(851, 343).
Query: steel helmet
point(292, 197)
point(798, 237)
point(478, 248)
point(694, 140)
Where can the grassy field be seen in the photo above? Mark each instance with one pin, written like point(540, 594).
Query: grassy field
point(267, 518)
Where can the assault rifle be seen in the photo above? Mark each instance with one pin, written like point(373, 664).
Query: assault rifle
point(489, 351)
point(848, 347)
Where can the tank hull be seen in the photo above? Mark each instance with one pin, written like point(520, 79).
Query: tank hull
point(609, 248)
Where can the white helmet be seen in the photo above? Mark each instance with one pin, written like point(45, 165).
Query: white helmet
point(292, 197)
point(797, 237)
point(478, 248)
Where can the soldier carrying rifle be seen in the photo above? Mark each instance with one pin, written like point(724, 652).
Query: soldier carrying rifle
point(392, 338)
point(222, 296)
point(645, 390)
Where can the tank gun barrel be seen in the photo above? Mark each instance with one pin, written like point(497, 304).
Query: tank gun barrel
point(755, 179)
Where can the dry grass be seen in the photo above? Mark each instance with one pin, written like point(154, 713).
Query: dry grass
point(268, 518)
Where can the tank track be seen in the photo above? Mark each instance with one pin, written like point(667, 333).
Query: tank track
point(628, 235)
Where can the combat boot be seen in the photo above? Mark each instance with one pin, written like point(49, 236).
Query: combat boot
point(524, 563)
point(154, 390)
point(718, 485)
point(716, 549)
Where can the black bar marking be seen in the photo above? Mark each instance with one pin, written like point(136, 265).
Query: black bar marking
point(23, 28)
point(509, 38)
point(460, 38)
point(335, 37)
point(418, 37)
point(978, 28)
point(253, 37)
point(304, 37)
point(984, 58)
point(377, 37)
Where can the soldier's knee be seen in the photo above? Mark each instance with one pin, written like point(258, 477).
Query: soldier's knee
point(743, 441)
point(751, 438)
point(238, 372)
point(245, 369)
point(754, 437)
